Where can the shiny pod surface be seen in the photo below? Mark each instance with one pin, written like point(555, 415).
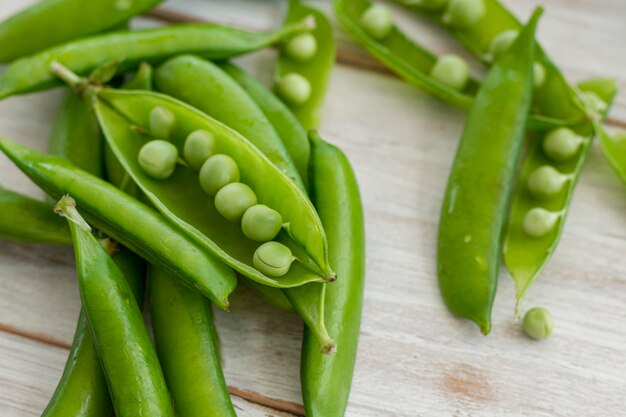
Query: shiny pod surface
point(182, 199)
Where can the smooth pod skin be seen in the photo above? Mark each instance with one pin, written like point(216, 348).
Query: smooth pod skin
point(83, 390)
point(132, 47)
point(129, 361)
point(207, 87)
point(285, 123)
point(471, 228)
point(51, 22)
point(304, 234)
point(316, 70)
point(192, 369)
point(128, 221)
point(326, 379)
point(37, 223)
point(76, 135)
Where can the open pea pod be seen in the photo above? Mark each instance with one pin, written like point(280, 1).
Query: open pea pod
point(524, 254)
point(123, 114)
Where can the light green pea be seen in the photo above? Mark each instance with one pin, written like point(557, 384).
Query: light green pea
point(294, 88)
point(261, 223)
point(539, 75)
point(451, 70)
point(377, 21)
point(218, 171)
point(502, 42)
point(233, 200)
point(162, 122)
point(199, 146)
point(273, 259)
point(158, 158)
point(561, 144)
point(538, 222)
point(302, 47)
point(538, 323)
point(546, 182)
point(464, 13)
point(431, 5)
point(593, 102)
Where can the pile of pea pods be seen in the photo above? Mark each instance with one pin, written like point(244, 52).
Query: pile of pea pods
point(525, 141)
point(172, 171)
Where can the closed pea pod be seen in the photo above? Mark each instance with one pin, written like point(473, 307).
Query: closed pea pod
point(470, 229)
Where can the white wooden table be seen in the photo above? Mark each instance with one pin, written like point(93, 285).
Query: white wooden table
point(415, 359)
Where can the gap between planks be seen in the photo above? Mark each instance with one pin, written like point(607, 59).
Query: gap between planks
point(250, 396)
point(344, 57)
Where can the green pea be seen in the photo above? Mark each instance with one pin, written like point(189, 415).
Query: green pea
point(464, 13)
point(158, 158)
point(162, 122)
point(218, 171)
point(451, 70)
point(302, 47)
point(199, 146)
point(502, 42)
point(233, 200)
point(538, 222)
point(431, 5)
point(377, 21)
point(546, 182)
point(294, 88)
point(562, 144)
point(593, 102)
point(538, 323)
point(539, 75)
point(261, 223)
point(273, 259)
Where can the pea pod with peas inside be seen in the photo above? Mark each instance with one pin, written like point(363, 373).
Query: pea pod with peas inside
point(304, 65)
point(152, 45)
point(481, 181)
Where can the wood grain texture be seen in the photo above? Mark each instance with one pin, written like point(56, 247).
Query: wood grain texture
point(415, 359)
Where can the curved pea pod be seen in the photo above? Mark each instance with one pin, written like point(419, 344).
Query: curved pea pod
point(152, 45)
point(181, 198)
point(50, 23)
point(37, 223)
point(128, 221)
point(128, 358)
point(471, 228)
point(326, 380)
point(289, 129)
point(525, 255)
point(192, 369)
point(83, 390)
point(208, 88)
point(315, 69)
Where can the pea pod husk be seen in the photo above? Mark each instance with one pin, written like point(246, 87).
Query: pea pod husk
point(119, 110)
point(481, 182)
point(128, 221)
point(152, 45)
point(317, 70)
point(129, 361)
point(326, 380)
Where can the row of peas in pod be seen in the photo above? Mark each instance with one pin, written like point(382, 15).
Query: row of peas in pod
point(452, 70)
point(219, 177)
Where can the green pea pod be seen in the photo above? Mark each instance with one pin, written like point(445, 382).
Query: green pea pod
point(316, 69)
point(83, 390)
point(192, 369)
point(76, 135)
point(326, 380)
point(525, 255)
point(481, 183)
point(130, 363)
point(52, 22)
point(287, 126)
point(208, 88)
point(274, 296)
point(128, 221)
point(37, 223)
point(614, 149)
point(151, 45)
point(118, 111)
